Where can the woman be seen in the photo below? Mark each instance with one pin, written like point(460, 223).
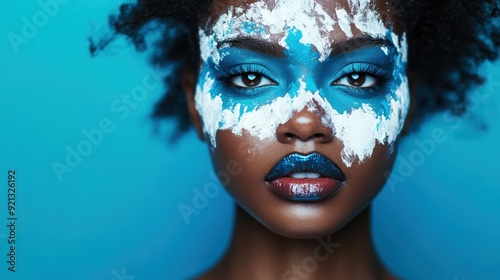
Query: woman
point(303, 104)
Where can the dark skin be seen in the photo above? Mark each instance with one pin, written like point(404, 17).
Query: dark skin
point(273, 235)
point(258, 253)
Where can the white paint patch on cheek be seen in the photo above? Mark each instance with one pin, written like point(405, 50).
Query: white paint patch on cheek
point(208, 108)
point(205, 45)
point(361, 129)
point(261, 122)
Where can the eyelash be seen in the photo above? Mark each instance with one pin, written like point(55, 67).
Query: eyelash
point(381, 77)
point(226, 76)
point(365, 69)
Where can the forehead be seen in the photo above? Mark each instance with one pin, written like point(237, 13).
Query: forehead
point(317, 23)
point(347, 10)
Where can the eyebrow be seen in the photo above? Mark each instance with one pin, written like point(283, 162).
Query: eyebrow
point(274, 49)
point(357, 43)
point(255, 44)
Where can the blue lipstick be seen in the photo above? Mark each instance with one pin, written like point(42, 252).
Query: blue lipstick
point(310, 178)
point(297, 163)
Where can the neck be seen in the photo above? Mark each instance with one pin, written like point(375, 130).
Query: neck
point(257, 253)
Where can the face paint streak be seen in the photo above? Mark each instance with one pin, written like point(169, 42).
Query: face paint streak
point(303, 120)
point(359, 129)
point(271, 22)
point(344, 22)
point(385, 50)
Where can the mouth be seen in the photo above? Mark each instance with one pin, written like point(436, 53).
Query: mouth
point(311, 177)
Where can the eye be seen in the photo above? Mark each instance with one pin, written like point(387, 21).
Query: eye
point(251, 80)
point(357, 80)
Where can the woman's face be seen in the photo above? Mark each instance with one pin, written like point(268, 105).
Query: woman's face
point(302, 103)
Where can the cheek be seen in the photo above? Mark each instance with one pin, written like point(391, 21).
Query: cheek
point(254, 156)
point(259, 117)
point(367, 179)
point(209, 107)
point(363, 128)
point(241, 164)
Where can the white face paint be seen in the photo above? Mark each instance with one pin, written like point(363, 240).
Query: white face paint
point(298, 24)
point(299, 14)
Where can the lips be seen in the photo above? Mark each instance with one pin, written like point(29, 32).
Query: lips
point(311, 177)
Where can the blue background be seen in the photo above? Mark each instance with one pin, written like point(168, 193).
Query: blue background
point(116, 215)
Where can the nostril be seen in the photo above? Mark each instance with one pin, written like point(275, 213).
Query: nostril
point(317, 136)
point(289, 135)
point(304, 126)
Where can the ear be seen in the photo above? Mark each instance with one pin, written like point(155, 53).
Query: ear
point(413, 86)
point(188, 84)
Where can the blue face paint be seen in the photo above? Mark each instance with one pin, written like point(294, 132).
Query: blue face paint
point(302, 62)
point(301, 74)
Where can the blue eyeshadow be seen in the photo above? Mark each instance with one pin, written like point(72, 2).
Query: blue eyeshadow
point(301, 62)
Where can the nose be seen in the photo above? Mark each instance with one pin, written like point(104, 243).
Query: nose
point(305, 125)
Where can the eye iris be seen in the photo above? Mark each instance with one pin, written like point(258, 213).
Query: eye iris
point(357, 80)
point(251, 79)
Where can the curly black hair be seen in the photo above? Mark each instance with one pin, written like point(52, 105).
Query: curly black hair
point(448, 40)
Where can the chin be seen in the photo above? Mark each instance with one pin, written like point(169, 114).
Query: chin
point(307, 220)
